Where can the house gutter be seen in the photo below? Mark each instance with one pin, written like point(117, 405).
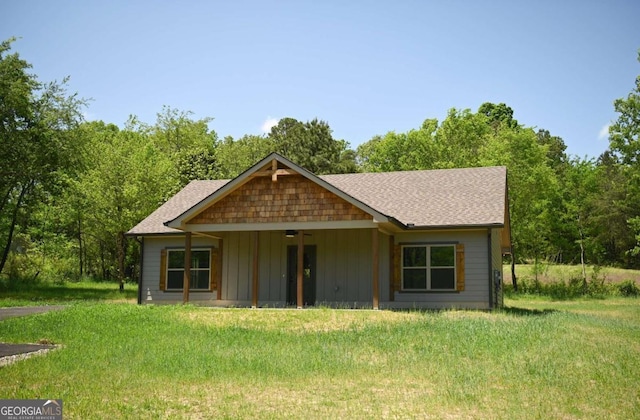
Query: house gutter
point(410, 226)
point(490, 261)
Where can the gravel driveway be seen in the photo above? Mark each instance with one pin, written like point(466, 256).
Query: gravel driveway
point(12, 352)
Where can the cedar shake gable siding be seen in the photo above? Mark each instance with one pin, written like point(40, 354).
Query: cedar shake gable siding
point(291, 198)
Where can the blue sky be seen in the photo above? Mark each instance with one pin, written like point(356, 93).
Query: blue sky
point(365, 67)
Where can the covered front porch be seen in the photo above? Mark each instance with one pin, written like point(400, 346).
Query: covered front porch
point(291, 267)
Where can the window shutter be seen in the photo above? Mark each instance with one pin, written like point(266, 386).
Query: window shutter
point(397, 277)
point(213, 271)
point(460, 267)
point(163, 269)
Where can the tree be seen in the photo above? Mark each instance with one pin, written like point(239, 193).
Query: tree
point(460, 139)
point(624, 143)
point(311, 146)
point(236, 156)
point(497, 115)
point(532, 186)
point(37, 137)
point(127, 177)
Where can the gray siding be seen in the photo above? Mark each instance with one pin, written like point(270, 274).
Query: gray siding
point(344, 273)
point(151, 271)
point(476, 254)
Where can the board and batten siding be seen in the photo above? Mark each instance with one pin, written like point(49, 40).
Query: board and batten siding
point(476, 261)
point(344, 269)
point(151, 292)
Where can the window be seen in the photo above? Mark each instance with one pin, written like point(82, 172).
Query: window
point(428, 267)
point(200, 269)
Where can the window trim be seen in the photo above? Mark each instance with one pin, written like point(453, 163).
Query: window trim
point(167, 269)
point(428, 267)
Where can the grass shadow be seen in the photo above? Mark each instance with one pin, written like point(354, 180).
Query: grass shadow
point(513, 310)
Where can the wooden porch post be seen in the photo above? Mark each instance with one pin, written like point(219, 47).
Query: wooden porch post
point(219, 271)
point(254, 274)
point(300, 270)
point(187, 268)
point(376, 268)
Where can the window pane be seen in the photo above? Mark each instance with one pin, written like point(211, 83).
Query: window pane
point(199, 280)
point(442, 256)
point(415, 256)
point(175, 279)
point(415, 278)
point(443, 278)
point(200, 259)
point(176, 259)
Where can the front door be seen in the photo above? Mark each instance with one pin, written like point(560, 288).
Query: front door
point(308, 275)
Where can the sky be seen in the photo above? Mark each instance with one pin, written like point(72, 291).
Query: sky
point(364, 67)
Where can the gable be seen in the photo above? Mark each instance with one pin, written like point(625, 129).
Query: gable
point(292, 198)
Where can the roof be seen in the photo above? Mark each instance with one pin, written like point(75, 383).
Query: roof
point(443, 198)
point(432, 198)
point(186, 198)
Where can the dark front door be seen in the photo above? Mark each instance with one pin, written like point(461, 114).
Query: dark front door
point(308, 275)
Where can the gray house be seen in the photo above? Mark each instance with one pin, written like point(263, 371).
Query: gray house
point(278, 236)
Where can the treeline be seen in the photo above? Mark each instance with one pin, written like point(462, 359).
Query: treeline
point(70, 189)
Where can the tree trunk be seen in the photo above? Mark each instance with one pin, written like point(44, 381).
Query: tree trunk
point(80, 249)
point(14, 218)
point(514, 281)
point(121, 244)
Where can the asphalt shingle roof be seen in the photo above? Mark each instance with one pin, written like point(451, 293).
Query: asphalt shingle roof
point(431, 198)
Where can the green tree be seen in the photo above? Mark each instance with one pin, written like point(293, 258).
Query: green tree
point(311, 145)
point(37, 139)
point(498, 115)
point(236, 156)
point(532, 190)
point(624, 139)
point(189, 143)
point(127, 177)
point(460, 139)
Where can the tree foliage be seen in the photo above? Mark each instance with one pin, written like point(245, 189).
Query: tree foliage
point(38, 142)
point(69, 190)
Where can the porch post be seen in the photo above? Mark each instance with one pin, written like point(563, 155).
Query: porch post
point(219, 271)
point(300, 269)
point(254, 274)
point(376, 268)
point(187, 268)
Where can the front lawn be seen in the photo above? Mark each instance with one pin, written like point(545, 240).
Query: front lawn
point(535, 359)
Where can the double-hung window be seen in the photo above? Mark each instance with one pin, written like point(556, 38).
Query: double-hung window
point(200, 269)
point(429, 267)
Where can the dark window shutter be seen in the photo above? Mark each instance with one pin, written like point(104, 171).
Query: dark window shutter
point(163, 270)
point(460, 267)
point(397, 276)
point(213, 271)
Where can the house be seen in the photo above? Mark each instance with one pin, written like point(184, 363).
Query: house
point(280, 236)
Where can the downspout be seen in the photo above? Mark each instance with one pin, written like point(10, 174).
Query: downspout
point(141, 242)
point(490, 261)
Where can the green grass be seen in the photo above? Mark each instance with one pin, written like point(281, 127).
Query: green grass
point(563, 272)
point(535, 359)
point(46, 293)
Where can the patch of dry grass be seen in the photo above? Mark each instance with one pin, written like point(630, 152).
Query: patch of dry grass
point(297, 321)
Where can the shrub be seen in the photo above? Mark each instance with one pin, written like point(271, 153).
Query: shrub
point(628, 288)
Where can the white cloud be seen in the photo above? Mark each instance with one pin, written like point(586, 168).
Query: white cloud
point(268, 123)
point(604, 132)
